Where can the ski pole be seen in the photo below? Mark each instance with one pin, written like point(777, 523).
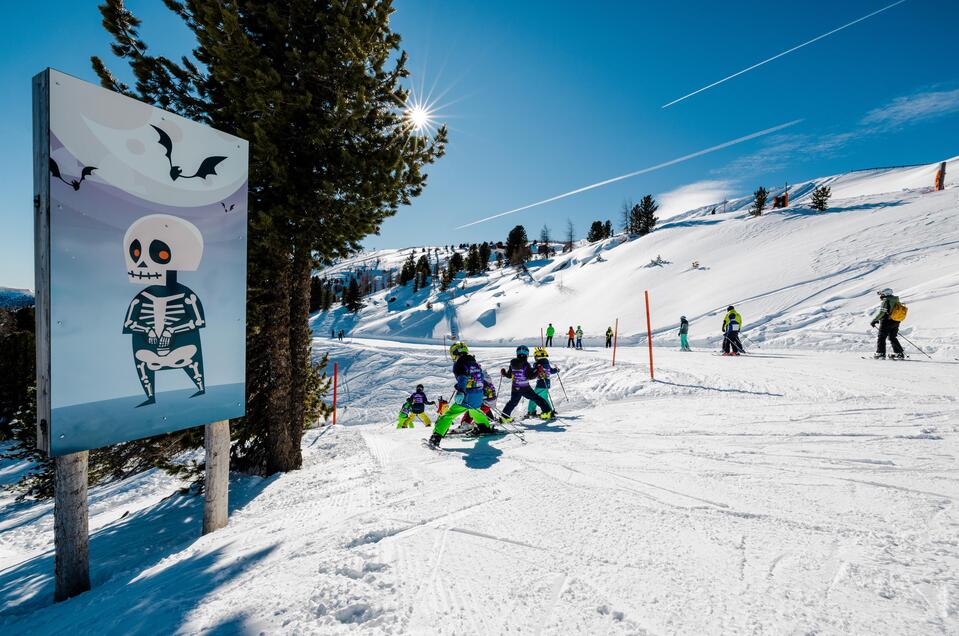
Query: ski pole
point(752, 342)
point(506, 427)
point(562, 386)
point(914, 345)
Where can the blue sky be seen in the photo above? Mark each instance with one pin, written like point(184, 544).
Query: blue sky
point(545, 97)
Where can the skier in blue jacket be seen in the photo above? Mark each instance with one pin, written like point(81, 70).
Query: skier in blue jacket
point(522, 375)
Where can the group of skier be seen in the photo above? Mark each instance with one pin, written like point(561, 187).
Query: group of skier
point(574, 337)
point(475, 394)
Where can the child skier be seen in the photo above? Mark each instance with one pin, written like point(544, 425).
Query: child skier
point(418, 402)
point(469, 395)
point(543, 370)
point(405, 415)
point(579, 337)
point(732, 323)
point(489, 400)
point(684, 334)
point(522, 373)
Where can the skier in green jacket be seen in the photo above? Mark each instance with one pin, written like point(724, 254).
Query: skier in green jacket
point(550, 332)
point(888, 328)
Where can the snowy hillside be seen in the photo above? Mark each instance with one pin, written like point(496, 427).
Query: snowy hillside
point(15, 298)
point(785, 493)
point(800, 278)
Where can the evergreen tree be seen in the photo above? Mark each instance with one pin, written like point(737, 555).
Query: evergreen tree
point(408, 271)
point(647, 215)
point(820, 198)
point(545, 239)
point(517, 246)
point(485, 251)
point(608, 229)
point(568, 244)
point(499, 259)
point(634, 223)
point(423, 269)
point(474, 265)
point(596, 232)
point(759, 202)
point(351, 297)
point(314, 87)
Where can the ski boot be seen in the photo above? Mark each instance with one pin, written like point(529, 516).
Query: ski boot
point(879, 356)
point(506, 419)
point(434, 441)
point(549, 415)
point(898, 356)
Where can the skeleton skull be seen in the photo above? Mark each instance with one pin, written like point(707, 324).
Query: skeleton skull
point(159, 243)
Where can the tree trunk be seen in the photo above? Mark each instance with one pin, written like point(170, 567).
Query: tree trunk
point(71, 530)
point(272, 409)
point(300, 345)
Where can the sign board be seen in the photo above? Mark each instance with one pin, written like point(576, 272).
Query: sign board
point(141, 221)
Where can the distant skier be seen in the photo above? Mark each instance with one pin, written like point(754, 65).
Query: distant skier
point(522, 374)
point(571, 334)
point(579, 337)
point(550, 332)
point(732, 324)
point(340, 335)
point(684, 334)
point(891, 313)
point(544, 371)
point(469, 395)
point(418, 402)
point(609, 337)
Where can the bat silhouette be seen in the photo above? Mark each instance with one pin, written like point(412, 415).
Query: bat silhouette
point(207, 166)
point(227, 209)
point(75, 183)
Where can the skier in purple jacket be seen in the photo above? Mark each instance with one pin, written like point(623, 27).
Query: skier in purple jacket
point(523, 375)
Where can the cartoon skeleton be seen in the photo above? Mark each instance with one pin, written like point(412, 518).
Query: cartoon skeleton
point(165, 318)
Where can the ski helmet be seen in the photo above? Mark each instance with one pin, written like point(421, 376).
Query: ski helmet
point(730, 308)
point(885, 292)
point(539, 353)
point(522, 351)
point(419, 387)
point(458, 349)
point(682, 317)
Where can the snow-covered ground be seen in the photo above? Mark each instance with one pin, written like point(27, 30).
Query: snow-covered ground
point(784, 492)
point(800, 278)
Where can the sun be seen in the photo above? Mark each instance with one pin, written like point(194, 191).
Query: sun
point(419, 117)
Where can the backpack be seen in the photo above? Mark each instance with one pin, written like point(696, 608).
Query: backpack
point(898, 312)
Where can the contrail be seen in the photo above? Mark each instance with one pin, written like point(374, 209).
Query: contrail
point(638, 172)
point(775, 57)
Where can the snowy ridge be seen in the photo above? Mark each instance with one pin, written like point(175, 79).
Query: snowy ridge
point(800, 278)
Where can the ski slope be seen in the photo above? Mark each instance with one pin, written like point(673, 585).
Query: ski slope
point(801, 279)
point(786, 492)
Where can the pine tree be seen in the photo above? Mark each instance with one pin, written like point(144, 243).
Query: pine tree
point(351, 297)
point(485, 251)
point(568, 244)
point(759, 202)
point(408, 271)
point(634, 223)
point(545, 238)
point(474, 265)
point(499, 259)
point(820, 198)
point(646, 216)
point(608, 229)
point(423, 269)
point(315, 88)
point(596, 232)
point(517, 246)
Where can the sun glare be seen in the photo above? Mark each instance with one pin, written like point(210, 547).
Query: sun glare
point(418, 116)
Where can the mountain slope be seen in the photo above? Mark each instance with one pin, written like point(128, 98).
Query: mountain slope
point(800, 278)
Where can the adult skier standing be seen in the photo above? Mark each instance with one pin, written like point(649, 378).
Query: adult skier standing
point(544, 370)
point(732, 324)
point(684, 334)
point(571, 335)
point(469, 395)
point(522, 373)
point(609, 337)
point(579, 336)
point(550, 332)
point(890, 314)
